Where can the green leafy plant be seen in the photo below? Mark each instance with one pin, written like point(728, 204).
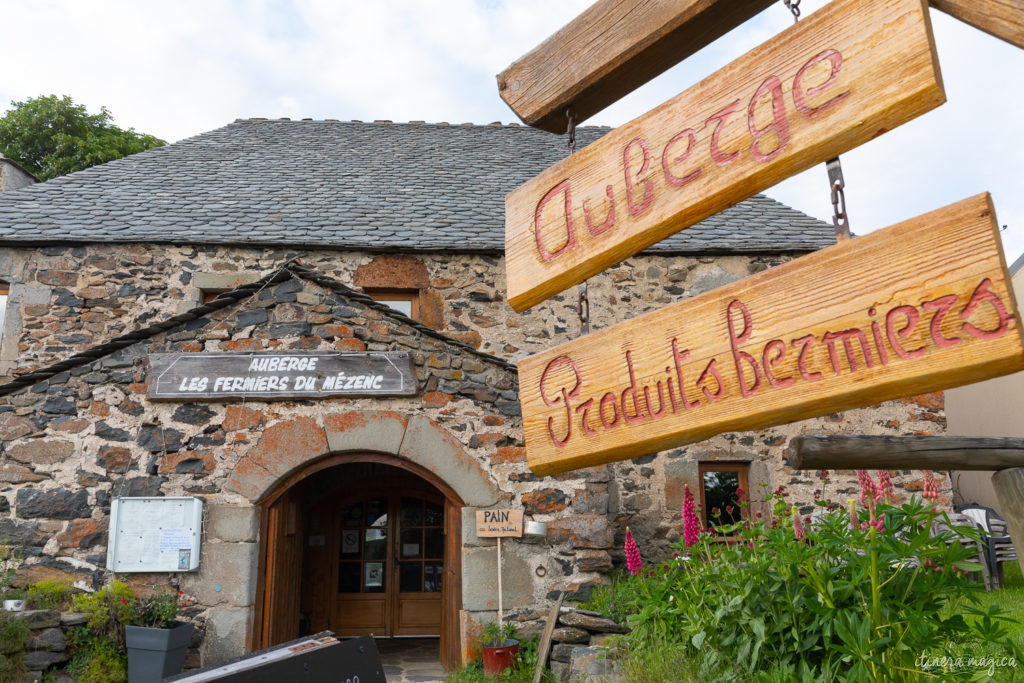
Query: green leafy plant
point(95, 658)
point(10, 560)
point(109, 609)
point(859, 595)
point(494, 635)
point(520, 672)
point(157, 611)
point(50, 594)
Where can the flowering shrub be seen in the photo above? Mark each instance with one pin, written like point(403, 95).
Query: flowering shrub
point(856, 595)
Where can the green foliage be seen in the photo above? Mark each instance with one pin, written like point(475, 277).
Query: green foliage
point(844, 603)
point(521, 671)
point(51, 136)
point(493, 635)
point(109, 609)
point(14, 633)
point(158, 611)
point(95, 658)
point(50, 594)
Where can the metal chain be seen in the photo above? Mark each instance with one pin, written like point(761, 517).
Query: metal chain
point(583, 308)
point(840, 219)
point(570, 114)
point(794, 7)
point(583, 303)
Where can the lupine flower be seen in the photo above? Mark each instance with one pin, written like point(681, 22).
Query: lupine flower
point(853, 514)
point(691, 525)
point(798, 528)
point(931, 487)
point(633, 562)
point(823, 476)
point(879, 523)
point(884, 486)
point(867, 487)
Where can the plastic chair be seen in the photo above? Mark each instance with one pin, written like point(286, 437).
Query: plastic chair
point(998, 544)
point(980, 552)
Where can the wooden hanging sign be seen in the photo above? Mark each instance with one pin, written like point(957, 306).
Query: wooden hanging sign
point(844, 75)
point(1000, 18)
point(920, 306)
point(612, 48)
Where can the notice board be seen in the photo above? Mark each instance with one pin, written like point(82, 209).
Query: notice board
point(154, 534)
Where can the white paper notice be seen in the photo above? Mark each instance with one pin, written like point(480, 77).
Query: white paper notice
point(173, 540)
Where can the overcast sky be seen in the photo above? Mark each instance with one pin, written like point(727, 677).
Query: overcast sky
point(176, 69)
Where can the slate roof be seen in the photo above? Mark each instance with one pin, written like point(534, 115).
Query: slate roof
point(394, 186)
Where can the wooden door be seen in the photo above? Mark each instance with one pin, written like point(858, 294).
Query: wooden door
point(382, 555)
point(282, 575)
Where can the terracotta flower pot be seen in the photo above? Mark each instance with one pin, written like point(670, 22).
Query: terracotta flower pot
point(498, 658)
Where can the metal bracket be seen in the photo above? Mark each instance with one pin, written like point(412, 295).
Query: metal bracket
point(583, 309)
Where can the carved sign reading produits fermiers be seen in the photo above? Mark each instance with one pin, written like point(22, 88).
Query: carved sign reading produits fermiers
point(917, 307)
point(844, 75)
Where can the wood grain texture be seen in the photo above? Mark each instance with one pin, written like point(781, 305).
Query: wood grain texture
point(866, 452)
point(1009, 486)
point(844, 75)
point(609, 50)
point(1000, 18)
point(544, 647)
point(917, 307)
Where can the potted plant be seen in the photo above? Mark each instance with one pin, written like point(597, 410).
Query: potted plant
point(155, 639)
point(14, 600)
point(500, 646)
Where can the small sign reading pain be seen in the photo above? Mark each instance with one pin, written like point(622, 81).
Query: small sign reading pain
point(499, 523)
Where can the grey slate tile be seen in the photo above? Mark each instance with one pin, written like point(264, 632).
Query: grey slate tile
point(376, 186)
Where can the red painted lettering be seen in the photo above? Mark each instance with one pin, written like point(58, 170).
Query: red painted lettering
point(679, 357)
point(637, 207)
point(712, 371)
point(779, 348)
point(876, 333)
point(585, 409)
point(941, 306)
point(894, 335)
point(717, 155)
point(609, 400)
point(805, 343)
point(556, 364)
point(570, 231)
point(739, 357)
point(638, 415)
point(800, 96)
point(670, 178)
point(779, 124)
point(982, 293)
point(609, 220)
point(660, 412)
point(848, 337)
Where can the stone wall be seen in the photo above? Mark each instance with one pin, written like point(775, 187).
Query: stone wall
point(68, 298)
point(89, 433)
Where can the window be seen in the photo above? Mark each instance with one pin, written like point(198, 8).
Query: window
point(719, 482)
point(402, 300)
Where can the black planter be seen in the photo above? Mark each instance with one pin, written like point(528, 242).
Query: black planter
point(156, 653)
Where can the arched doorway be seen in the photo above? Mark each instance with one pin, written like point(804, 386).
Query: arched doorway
point(361, 543)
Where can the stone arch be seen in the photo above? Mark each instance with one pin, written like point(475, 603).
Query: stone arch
point(291, 445)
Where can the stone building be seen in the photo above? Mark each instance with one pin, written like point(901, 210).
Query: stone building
point(355, 513)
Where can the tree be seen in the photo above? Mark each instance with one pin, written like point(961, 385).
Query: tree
point(51, 136)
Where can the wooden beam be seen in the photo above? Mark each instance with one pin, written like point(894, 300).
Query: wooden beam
point(920, 306)
point(609, 50)
point(1003, 19)
point(837, 79)
point(861, 452)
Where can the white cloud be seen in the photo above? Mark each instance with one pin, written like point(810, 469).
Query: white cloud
point(176, 69)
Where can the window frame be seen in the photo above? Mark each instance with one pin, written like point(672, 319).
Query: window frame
point(743, 471)
point(396, 294)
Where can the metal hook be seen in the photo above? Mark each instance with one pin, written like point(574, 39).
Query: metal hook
point(570, 114)
point(583, 309)
point(840, 219)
